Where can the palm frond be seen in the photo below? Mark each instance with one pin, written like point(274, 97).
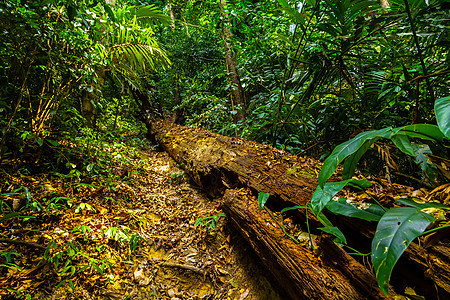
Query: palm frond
point(140, 57)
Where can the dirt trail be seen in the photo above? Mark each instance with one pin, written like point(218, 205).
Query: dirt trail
point(186, 261)
point(183, 257)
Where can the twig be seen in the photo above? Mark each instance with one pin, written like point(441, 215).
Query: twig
point(154, 292)
point(315, 144)
point(421, 77)
point(181, 266)
point(280, 225)
point(412, 178)
point(24, 243)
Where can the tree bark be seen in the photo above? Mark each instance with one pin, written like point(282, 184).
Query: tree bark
point(217, 163)
point(237, 92)
point(300, 272)
point(178, 114)
point(172, 15)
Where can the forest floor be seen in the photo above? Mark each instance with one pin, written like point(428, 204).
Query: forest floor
point(126, 224)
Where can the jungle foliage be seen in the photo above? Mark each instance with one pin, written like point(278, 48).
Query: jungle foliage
point(314, 75)
point(313, 72)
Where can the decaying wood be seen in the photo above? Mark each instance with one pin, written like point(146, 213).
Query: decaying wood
point(217, 163)
point(183, 266)
point(23, 243)
point(300, 272)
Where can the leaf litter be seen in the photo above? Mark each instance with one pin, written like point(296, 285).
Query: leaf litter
point(128, 224)
point(136, 229)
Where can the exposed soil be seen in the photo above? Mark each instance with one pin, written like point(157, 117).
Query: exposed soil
point(177, 257)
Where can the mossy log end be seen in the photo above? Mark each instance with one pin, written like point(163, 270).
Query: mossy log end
point(217, 163)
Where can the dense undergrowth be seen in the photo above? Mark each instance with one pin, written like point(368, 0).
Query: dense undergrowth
point(78, 78)
point(52, 197)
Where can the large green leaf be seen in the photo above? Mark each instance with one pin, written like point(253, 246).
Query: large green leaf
point(422, 131)
point(372, 213)
point(321, 197)
point(340, 237)
point(351, 162)
point(442, 111)
point(403, 143)
point(262, 199)
point(151, 13)
point(324, 220)
point(421, 204)
point(346, 149)
point(396, 230)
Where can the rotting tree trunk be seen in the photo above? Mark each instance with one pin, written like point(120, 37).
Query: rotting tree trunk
point(218, 163)
point(301, 273)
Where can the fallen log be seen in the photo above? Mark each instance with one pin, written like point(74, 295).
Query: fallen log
point(300, 272)
point(217, 163)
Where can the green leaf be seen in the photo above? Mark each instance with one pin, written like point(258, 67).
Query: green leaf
point(71, 285)
point(403, 143)
point(9, 216)
point(60, 284)
point(262, 199)
point(198, 221)
point(346, 149)
point(421, 159)
point(150, 13)
point(90, 167)
point(396, 230)
point(291, 208)
point(351, 162)
point(422, 131)
point(336, 232)
point(39, 141)
point(52, 142)
point(341, 207)
point(71, 12)
point(324, 220)
point(421, 205)
point(292, 12)
point(109, 12)
point(442, 111)
point(329, 28)
point(321, 197)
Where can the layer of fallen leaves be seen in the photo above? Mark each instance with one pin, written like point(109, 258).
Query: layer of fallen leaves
point(123, 224)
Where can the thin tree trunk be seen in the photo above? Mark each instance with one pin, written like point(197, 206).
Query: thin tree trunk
point(172, 15)
point(419, 53)
point(237, 92)
point(178, 114)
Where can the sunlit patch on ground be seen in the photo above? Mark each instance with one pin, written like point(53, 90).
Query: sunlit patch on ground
point(126, 232)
